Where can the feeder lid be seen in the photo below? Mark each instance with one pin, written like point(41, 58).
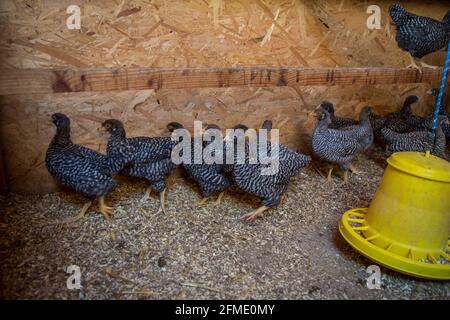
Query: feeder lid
point(421, 164)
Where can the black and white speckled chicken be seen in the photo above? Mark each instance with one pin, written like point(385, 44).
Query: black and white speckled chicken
point(442, 110)
point(336, 122)
point(446, 128)
point(402, 120)
point(445, 125)
point(427, 123)
point(140, 157)
point(227, 168)
point(420, 141)
point(341, 146)
point(78, 167)
point(251, 177)
point(377, 122)
point(419, 35)
point(209, 176)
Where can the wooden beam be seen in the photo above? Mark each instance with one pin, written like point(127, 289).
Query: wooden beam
point(24, 81)
point(3, 185)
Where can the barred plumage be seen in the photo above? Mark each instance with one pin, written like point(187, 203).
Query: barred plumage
point(75, 166)
point(377, 122)
point(249, 178)
point(269, 188)
point(402, 120)
point(141, 157)
point(420, 141)
point(426, 123)
point(336, 122)
point(341, 146)
point(209, 177)
point(419, 35)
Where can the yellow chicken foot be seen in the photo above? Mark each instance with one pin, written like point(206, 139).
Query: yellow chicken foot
point(202, 202)
point(104, 209)
point(329, 175)
point(413, 64)
point(80, 215)
point(219, 198)
point(254, 214)
point(345, 176)
point(162, 206)
point(146, 194)
point(426, 65)
point(353, 169)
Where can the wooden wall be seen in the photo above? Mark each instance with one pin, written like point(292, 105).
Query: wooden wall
point(189, 34)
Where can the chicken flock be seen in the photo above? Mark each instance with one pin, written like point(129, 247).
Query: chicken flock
point(335, 140)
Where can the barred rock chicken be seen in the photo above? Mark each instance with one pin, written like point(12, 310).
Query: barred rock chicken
point(445, 127)
point(427, 123)
point(341, 146)
point(377, 122)
point(420, 141)
point(78, 167)
point(446, 130)
point(209, 177)
point(336, 122)
point(140, 157)
point(419, 35)
point(249, 177)
point(227, 168)
point(401, 121)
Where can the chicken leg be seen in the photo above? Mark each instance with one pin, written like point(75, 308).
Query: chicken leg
point(413, 64)
point(329, 174)
point(345, 176)
point(219, 198)
point(426, 65)
point(254, 214)
point(202, 201)
point(162, 206)
point(146, 194)
point(104, 209)
point(81, 214)
point(423, 64)
point(353, 169)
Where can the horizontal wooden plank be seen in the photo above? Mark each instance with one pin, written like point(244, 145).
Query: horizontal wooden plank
point(112, 79)
point(3, 186)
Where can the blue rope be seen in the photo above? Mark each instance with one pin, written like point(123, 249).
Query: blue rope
point(441, 92)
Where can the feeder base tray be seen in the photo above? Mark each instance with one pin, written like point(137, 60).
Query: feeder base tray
point(352, 226)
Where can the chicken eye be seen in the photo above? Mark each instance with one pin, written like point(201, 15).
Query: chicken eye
point(107, 126)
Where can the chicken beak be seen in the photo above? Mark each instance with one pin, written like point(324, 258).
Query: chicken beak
point(312, 113)
point(102, 132)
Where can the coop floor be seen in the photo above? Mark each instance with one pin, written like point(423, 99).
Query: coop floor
point(294, 252)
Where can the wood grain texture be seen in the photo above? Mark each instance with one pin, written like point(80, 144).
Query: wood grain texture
point(3, 186)
point(26, 128)
point(24, 81)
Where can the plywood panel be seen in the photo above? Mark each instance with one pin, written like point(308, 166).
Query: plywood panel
point(197, 33)
point(191, 34)
point(26, 130)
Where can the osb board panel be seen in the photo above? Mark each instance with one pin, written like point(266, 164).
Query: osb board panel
point(194, 33)
point(191, 33)
point(25, 127)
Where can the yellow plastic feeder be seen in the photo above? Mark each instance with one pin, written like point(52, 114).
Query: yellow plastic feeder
point(407, 226)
